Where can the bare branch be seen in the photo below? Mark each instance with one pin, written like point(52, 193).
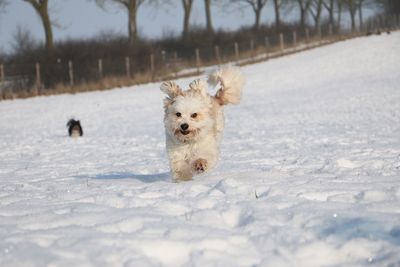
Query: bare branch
point(41, 8)
point(256, 6)
point(131, 6)
point(3, 4)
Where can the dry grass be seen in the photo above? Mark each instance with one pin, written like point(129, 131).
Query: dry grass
point(106, 83)
point(110, 82)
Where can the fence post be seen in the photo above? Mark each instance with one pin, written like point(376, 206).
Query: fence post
point(152, 67)
point(398, 20)
point(307, 36)
point(2, 77)
point(267, 47)
point(393, 23)
point(384, 24)
point(176, 63)
point(71, 73)
point(237, 53)
point(38, 80)
point(371, 26)
point(319, 34)
point(330, 31)
point(217, 55)
point(164, 56)
point(294, 39)
point(252, 52)
point(388, 22)
point(128, 67)
point(100, 65)
point(197, 51)
point(282, 42)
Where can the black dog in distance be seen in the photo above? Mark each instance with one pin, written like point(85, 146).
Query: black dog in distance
point(74, 128)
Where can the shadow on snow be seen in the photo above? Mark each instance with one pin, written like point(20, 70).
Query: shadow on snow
point(145, 178)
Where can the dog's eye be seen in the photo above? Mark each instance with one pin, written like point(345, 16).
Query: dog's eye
point(178, 114)
point(194, 115)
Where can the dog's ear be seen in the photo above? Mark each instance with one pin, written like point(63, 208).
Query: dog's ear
point(70, 122)
point(167, 102)
point(171, 89)
point(199, 86)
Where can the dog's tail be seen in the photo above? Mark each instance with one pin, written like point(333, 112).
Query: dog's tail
point(232, 81)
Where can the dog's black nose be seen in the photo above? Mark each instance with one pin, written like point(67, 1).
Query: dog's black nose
point(184, 126)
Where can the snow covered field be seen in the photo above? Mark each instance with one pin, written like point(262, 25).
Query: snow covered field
point(309, 174)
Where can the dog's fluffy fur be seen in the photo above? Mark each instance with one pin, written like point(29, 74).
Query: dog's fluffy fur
point(74, 128)
point(194, 121)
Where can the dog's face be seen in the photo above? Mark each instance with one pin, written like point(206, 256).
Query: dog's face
point(187, 113)
point(76, 130)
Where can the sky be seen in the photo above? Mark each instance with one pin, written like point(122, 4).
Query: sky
point(84, 19)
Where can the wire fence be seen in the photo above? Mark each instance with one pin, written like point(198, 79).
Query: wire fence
point(67, 76)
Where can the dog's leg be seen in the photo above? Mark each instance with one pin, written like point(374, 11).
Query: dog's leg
point(181, 171)
point(200, 166)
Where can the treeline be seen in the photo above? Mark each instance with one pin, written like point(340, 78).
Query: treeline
point(113, 51)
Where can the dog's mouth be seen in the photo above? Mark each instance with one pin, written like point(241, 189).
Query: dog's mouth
point(185, 132)
point(185, 135)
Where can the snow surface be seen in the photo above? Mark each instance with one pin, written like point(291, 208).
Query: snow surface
point(309, 174)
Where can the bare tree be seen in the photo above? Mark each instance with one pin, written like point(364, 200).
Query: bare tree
point(360, 13)
point(257, 6)
point(352, 6)
point(3, 4)
point(304, 6)
point(207, 5)
point(315, 11)
point(330, 7)
point(41, 8)
point(131, 7)
point(372, 4)
point(391, 6)
point(187, 8)
point(277, 7)
point(23, 41)
point(340, 8)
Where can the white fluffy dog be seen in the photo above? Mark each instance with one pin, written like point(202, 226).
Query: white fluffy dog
point(194, 121)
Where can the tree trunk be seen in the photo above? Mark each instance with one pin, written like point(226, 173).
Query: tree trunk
point(303, 11)
point(207, 4)
point(302, 18)
point(44, 14)
point(352, 10)
point(330, 10)
point(339, 20)
point(257, 22)
point(187, 7)
point(353, 20)
point(360, 14)
point(41, 8)
point(132, 26)
point(317, 16)
point(277, 4)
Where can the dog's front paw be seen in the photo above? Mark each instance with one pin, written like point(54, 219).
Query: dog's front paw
point(200, 165)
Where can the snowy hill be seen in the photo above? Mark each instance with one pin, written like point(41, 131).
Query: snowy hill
point(309, 174)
